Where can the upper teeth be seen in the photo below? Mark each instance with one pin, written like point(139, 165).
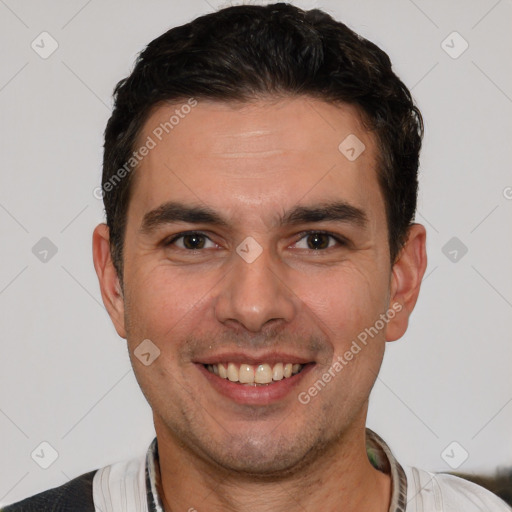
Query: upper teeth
point(249, 374)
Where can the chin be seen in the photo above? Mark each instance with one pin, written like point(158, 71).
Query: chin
point(258, 464)
point(270, 457)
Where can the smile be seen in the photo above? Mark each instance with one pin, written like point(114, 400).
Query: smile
point(255, 384)
point(260, 374)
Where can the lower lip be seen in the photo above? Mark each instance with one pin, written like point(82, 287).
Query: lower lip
point(248, 394)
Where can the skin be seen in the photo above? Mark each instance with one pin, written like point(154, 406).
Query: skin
point(251, 163)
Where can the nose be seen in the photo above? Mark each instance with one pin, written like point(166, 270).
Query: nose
point(255, 294)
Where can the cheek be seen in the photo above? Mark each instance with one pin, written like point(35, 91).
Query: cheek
point(161, 299)
point(346, 300)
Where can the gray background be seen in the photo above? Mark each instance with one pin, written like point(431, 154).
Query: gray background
point(65, 374)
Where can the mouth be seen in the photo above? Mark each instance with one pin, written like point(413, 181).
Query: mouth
point(257, 375)
point(255, 383)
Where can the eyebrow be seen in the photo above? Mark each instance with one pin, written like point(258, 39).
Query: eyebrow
point(339, 211)
point(172, 212)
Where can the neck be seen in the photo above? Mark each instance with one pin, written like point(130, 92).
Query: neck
point(340, 479)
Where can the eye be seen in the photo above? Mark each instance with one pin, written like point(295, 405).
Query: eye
point(191, 241)
point(318, 240)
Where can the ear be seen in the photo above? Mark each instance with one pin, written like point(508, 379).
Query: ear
point(110, 286)
point(406, 277)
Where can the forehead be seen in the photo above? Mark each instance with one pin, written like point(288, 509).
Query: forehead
point(265, 153)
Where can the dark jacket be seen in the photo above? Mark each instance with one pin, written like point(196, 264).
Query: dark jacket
point(75, 496)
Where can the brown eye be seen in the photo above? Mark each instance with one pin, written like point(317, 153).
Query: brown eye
point(318, 241)
point(191, 241)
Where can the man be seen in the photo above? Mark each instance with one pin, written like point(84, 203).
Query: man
point(260, 182)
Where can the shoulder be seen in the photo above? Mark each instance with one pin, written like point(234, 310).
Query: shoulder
point(76, 496)
point(448, 493)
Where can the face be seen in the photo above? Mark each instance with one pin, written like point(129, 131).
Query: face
point(254, 248)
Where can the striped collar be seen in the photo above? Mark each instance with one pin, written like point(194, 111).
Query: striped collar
point(378, 452)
